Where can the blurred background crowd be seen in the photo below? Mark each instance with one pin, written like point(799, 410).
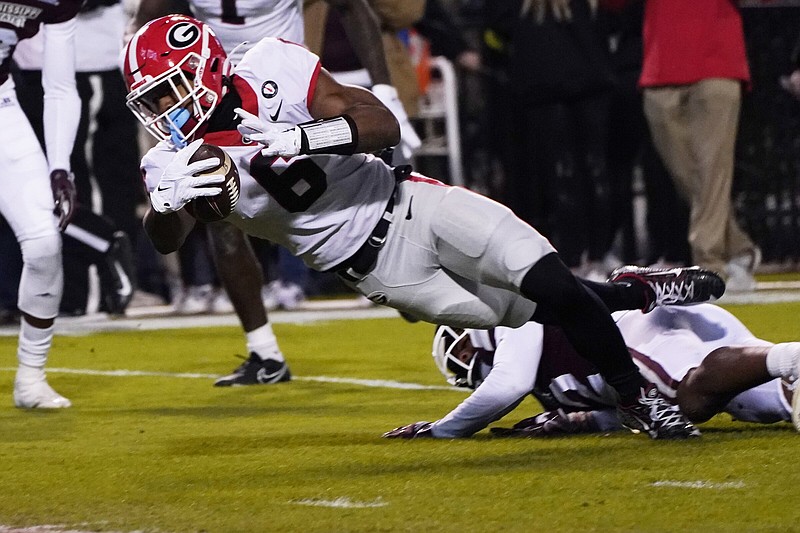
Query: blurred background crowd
point(655, 132)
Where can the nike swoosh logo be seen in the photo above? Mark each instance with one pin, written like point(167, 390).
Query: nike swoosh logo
point(160, 188)
point(274, 118)
point(408, 214)
point(126, 289)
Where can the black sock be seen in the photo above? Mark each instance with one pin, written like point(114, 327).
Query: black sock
point(619, 296)
point(585, 320)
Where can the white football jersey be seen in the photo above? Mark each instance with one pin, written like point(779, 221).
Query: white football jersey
point(665, 344)
point(236, 21)
point(677, 339)
point(321, 207)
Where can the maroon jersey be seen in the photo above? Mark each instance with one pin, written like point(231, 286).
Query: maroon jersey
point(21, 19)
point(567, 380)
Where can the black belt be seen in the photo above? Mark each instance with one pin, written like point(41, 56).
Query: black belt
point(361, 263)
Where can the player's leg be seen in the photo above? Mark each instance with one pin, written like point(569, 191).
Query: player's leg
point(671, 286)
point(619, 296)
point(729, 371)
point(27, 205)
point(408, 274)
point(510, 254)
point(240, 274)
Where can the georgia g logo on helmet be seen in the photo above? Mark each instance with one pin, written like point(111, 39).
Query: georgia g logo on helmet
point(183, 35)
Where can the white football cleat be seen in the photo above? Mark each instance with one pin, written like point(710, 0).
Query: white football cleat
point(37, 394)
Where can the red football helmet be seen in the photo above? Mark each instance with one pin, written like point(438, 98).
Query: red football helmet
point(180, 57)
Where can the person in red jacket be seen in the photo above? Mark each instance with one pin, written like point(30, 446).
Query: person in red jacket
point(693, 74)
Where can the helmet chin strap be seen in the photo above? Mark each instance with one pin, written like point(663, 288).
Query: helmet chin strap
point(177, 119)
point(226, 65)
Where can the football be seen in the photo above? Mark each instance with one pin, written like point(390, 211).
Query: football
point(215, 208)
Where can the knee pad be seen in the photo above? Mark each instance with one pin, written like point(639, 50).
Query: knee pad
point(42, 280)
point(483, 240)
point(512, 250)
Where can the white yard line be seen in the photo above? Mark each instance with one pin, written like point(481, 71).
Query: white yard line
point(376, 383)
point(342, 502)
point(162, 318)
point(700, 484)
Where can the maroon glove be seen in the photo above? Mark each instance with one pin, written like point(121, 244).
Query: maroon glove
point(64, 195)
point(412, 431)
point(549, 424)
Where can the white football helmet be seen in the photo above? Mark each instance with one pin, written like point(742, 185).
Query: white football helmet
point(455, 357)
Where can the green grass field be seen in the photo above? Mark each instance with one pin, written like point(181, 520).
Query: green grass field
point(167, 452)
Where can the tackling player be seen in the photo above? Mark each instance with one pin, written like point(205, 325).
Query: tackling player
point(701, 357)
point(29, 198)
point(301, 142)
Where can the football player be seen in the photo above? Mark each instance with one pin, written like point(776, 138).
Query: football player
point(238, 27)
point(38, 194)
point(302, 143)
point(701, 357)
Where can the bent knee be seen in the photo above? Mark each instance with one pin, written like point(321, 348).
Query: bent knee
point(42, 278)
point(41, 249)
point(698, 407)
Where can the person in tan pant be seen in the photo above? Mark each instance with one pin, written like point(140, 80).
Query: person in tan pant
point(693, 74)
point(694, 129)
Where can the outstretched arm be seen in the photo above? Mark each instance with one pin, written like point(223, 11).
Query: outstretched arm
point(512, 377)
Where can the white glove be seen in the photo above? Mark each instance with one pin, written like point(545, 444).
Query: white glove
point(179, 185)
point(277, 139)
point(409, 140)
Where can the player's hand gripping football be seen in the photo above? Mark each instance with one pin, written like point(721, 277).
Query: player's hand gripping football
point(277, 139)
point(412, 431)
point(180, 185)
point(62, 183)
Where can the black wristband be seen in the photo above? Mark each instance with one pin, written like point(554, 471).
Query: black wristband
point(337, 135)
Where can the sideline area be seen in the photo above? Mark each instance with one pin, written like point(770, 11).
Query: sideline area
point(163, 317)
point(345, 308)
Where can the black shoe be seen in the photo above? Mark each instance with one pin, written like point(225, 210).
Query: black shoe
point(651, 413)
point(255, 371)
point(673, 286)
point(116, 275)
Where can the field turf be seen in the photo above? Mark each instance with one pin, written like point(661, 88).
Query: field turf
point(164, 451)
